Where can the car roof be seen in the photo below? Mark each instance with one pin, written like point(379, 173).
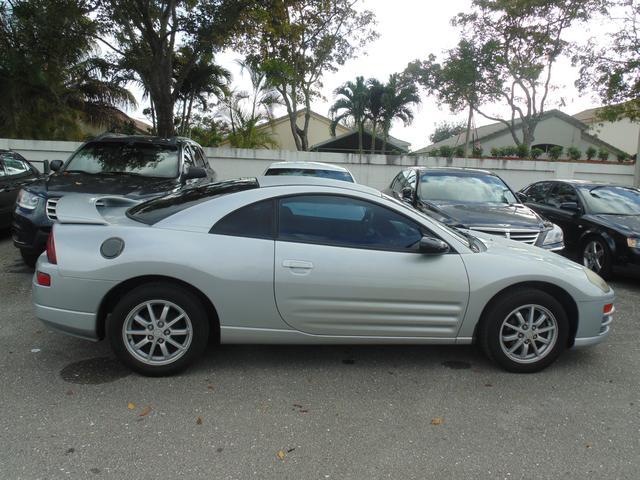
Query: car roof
point(286, 180)
point(120, 138)
point(461, 170)
point(308, 166)
point(585, 183)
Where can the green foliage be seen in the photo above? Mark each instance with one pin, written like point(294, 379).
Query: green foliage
point(446, 151)
point(459, 151)
point(352, 103)
point(496, 152)
point(555, 152)
point(574, 153)
point(603, 154)
point(591, 153)
point(477, 151)
point(433, 153)
point(207, 130)
point(509, 151)
point(622, 156)
point(445, 130)
point(536, 152)
point(522, 151)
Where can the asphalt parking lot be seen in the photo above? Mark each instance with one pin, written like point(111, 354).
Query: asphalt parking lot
point(69, 410)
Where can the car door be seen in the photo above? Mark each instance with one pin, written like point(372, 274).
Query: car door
point(347, 266)
point(560, 195)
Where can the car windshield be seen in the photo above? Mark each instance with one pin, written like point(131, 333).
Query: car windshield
point(135, 158)
point(464, 188)
point(308, 172)
point(609, 200)
point(153, 211)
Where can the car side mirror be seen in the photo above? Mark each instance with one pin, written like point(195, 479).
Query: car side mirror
point(433, 246)
point(570, 207)
point(55, 165)
point(194, 172)
point(407, 195)
point(523, 197)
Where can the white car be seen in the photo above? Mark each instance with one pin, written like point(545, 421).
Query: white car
point(310, 169)
point(299, 260)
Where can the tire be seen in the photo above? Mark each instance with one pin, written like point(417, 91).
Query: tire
point(185, 325)
point(29, 259)
point(496, 338)
point(596, 255)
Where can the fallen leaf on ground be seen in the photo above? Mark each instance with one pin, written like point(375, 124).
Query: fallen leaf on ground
point(588, 445)
point(131, 406)
point(145, 412)
point(209, 387)
point(488, 385)
point(281, 454)
point(199, 421)
point(437, 421)
point(69, 392)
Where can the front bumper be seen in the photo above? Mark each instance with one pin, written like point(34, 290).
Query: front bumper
point(595, 325)
point(28, 236)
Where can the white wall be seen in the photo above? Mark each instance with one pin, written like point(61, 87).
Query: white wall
point(373, 170)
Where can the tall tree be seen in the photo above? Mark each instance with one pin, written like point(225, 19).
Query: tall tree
point(51, 79)
point(149, 34)
point(296, 42)
point(351, 104)
point(399, 96)
point(375, 109)
point(525, 39)
point(446, 130)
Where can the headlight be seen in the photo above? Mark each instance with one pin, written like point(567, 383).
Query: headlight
point(596, 280)
point(633, 242)
point(553, 236)
point(27, 200)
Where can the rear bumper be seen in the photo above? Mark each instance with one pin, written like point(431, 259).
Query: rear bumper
point(78, 324)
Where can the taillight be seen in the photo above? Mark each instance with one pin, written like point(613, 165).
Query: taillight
point(43, 279)
point(608, 308)
point(51, 249)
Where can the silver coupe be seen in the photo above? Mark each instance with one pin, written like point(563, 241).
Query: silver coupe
point(301, 260)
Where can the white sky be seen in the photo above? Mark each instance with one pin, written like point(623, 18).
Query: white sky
point(412, 29)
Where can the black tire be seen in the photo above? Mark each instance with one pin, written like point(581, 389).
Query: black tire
point(159, 291)
point(491, 327)
point(29, 258)
point(606, 269)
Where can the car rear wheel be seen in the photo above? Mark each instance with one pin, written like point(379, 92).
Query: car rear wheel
point(158, 329)
point(596, 256)
point(524, 331)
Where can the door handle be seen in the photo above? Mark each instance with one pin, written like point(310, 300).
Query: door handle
point(297, 264)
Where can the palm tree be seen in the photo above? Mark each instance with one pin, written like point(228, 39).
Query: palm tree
point(264, 96)
point(397, 100)
point(351, 104)
point(374, 108)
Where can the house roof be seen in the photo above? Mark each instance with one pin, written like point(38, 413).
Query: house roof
point(498, 129)
point(339, 142)
point(587, 116)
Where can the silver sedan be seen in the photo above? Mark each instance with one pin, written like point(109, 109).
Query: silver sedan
point(294, 260)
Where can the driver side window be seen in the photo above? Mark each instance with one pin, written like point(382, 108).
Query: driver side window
point(345, 222)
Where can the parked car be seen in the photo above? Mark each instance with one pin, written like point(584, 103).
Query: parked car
point(310, 169)
point(137, 167)
point(601, 222)
point(304, 261)
point(15, 173)
point(474, 199)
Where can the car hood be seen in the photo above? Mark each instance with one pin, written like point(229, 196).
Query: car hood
point(130, 186)
point(478, 215)
point(626, 224)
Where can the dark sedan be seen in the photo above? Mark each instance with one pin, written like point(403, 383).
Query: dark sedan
point(601, 222)
point(476, 200)
point(15, 173)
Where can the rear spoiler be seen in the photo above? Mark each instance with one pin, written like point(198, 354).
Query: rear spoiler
point(86, 209)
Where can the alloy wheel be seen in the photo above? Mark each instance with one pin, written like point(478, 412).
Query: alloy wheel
point(528, 333)
point(593, 256)
point(157, 332)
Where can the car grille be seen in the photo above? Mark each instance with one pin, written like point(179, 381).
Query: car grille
point(52, 203)
point(519, 234)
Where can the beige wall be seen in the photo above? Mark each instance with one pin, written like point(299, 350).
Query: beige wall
point(622, 134)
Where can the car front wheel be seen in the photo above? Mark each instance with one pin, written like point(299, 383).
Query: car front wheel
point(596, 256)
point(158, 329)
point(524, 331)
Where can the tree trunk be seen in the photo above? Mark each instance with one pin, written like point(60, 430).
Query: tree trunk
point(360, 128)
point(466, 140)
point(373, 136)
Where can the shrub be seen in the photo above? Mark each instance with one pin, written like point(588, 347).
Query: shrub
point(495, 152)
point(574, 153)
point(536, 152)
point(591, 153)
point(446, 151)
point(459, 151)
point(555, 152)
point(622, 156)
point(509, 151)
point(522, 151)
point(603, 154)
point(477, 151)
point(433, 153)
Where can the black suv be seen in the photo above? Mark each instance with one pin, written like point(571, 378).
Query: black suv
point(601, 222)
point(15, 173)
point(137, 167)
point(476, 200)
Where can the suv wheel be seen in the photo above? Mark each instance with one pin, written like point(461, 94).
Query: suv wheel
point(29, 259)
